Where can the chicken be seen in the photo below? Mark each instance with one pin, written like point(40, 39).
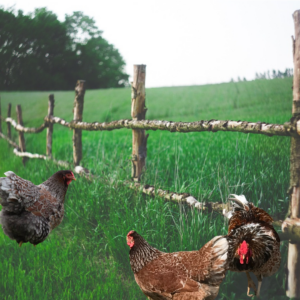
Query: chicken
point(254, 245)
point(30, 212)
point(179, 275)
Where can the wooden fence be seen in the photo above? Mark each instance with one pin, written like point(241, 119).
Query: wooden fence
point(138, 124)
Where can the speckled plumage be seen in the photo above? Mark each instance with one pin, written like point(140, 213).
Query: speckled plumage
point(253, 225)
point(179, 275)
point(30, 212)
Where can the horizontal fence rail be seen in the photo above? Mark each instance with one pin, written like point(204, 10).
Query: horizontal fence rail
point(287, 129)
point(12, 143)
point(21, 128)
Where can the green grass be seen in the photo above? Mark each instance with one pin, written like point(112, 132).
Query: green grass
point(86, 257)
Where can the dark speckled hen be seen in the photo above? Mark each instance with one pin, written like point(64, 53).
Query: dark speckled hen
point(183, 275)
point(30, 212)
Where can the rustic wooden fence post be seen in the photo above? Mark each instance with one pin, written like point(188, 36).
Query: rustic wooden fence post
point(78, 112)
point(293, 277)
point(8, 124)
point(138, 112)
point(50, 126)
point(0, 117)
point(21, 134)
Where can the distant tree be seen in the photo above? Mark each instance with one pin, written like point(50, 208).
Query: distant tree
point(99, 62)
point(80, 28)
point(38, 52)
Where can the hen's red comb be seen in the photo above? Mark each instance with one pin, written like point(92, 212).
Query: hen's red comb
point(130, 232)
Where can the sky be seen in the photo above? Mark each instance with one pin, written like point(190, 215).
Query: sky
point(189, 42)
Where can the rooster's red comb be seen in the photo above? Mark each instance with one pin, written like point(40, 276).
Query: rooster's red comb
point(244, 247)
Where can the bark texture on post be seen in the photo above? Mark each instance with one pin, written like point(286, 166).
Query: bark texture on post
point(21, 134)
point(293, 277)
point(8, 124)
point(138, 112)
point(50, 126)
point(78, 112)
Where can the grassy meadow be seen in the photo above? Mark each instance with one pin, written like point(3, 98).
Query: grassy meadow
point(86, 257)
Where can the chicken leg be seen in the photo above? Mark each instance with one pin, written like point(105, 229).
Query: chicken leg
point(251, 284)
point(259, 279)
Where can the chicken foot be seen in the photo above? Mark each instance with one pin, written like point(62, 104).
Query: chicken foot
point(251, 284)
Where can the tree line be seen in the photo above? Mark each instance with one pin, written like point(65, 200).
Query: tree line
point(39, 52)
point(269, 75)
point(275, 74)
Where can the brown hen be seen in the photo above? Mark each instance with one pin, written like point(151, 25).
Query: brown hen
point(30, 212)
point(254, 245)
point(183, 275)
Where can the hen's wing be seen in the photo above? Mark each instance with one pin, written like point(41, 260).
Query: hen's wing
point(208, 265)
point(166, 276)
point(16, 193)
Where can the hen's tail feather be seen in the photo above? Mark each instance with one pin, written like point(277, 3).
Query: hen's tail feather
point(239, 199)
point(9, 173)
point(9, 199)
point(239, 203)
point(244, 211)
point(7, 192)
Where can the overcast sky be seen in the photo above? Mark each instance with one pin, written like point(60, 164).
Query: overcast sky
point(189, 42)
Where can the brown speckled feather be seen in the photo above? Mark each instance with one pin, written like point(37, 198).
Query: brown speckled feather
point(30, 212)
point(179, 275)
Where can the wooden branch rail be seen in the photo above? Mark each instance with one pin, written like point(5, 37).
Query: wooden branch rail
point(12, 143)
point(41, 156)
point(21, 128)
point(288, 129)
point(29, 155)
point(78, 169)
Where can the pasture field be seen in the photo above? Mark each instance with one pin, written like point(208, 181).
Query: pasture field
point(86, 257)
